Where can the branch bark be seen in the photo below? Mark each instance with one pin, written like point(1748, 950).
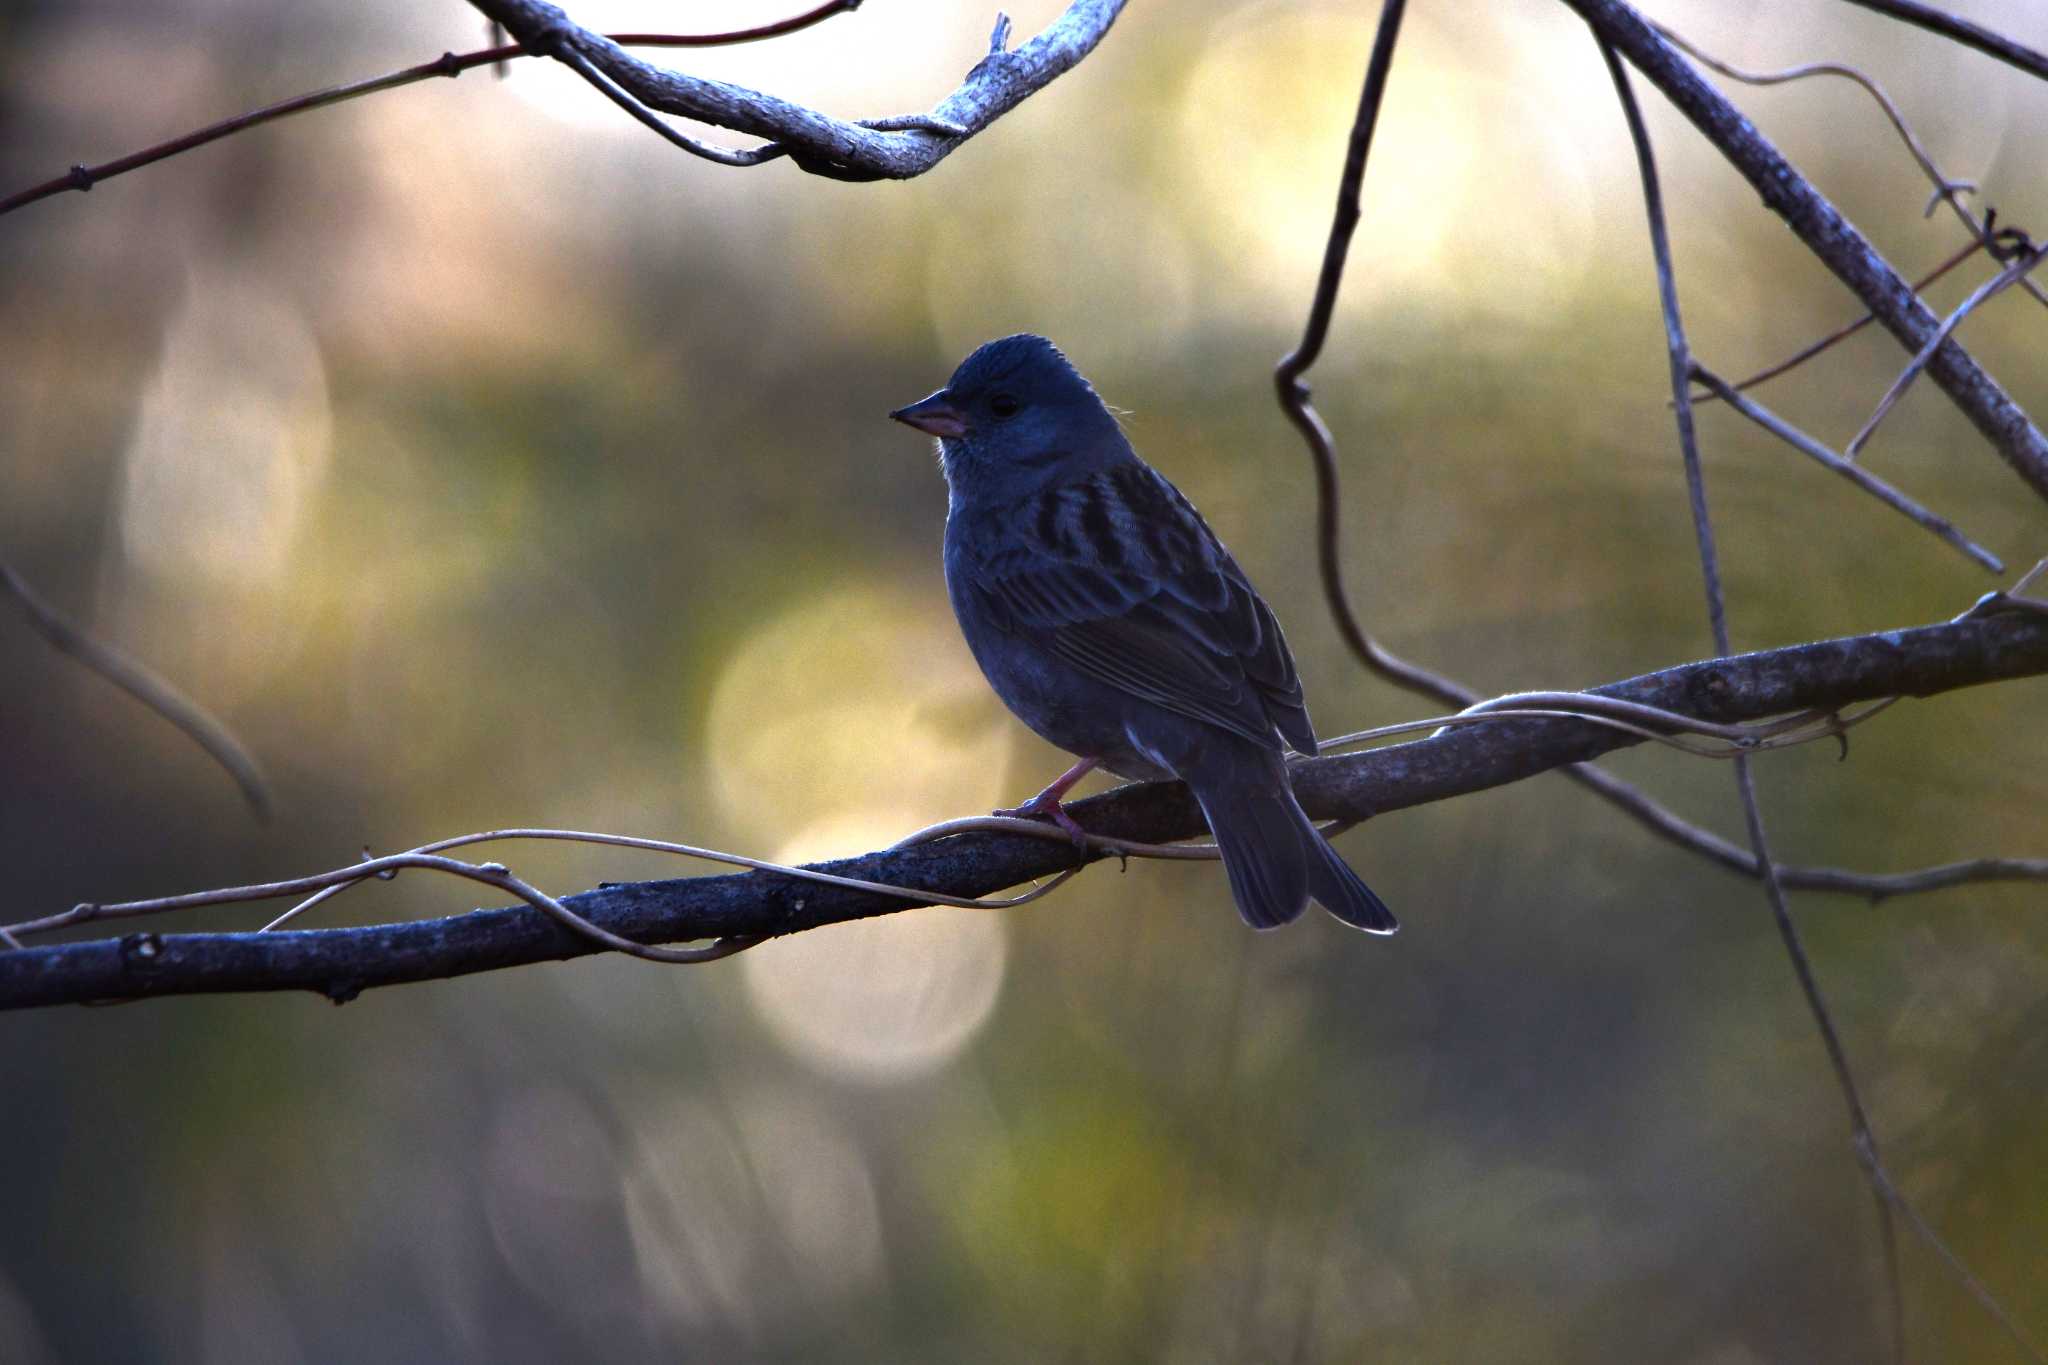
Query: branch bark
point(1830, 236)
point(340, 963)
point(817, 142)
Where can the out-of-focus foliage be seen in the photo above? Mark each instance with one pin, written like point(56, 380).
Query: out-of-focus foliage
point(485, 462)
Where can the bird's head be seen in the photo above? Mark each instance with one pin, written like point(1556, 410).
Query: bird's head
point(1016, 416)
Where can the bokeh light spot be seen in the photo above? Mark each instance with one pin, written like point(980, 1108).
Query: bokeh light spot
point(887, 999)
point(855, 697)
point(232, 437)
point(721, 1203)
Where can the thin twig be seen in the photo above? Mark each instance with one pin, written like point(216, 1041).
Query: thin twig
point(1875, 887)
point(1291, 383)
point(1985, 40)
point(1294, 394)
point(1976, 1288)
point(146, 687)
point(1682, 372)
point(1946, 190)
point(1840, 334)
point(2004, 279)
point(1854, 473)
point(1827, 234)
point(447, 64)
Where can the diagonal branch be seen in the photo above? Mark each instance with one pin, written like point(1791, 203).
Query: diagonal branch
point(146, 687)
point(1946, 191)
point(817, 142)
point(1290, 380)
point(1679, 351)
point(1961, 30)
point(1980, 648)
point(1826, 233)
point(1854, 473)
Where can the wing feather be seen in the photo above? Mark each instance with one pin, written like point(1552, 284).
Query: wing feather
point(1162, 613)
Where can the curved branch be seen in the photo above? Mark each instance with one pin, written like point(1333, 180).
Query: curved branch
point(1830, 236)
point(1992, 646)
point(146, 687)
point(823, 145)
point(450, 64)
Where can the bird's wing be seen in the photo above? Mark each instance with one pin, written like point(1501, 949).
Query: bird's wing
point(1118, 576)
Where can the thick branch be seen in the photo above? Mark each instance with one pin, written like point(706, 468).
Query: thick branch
point(1827, 234)
point(340, 963)
point(818, 142)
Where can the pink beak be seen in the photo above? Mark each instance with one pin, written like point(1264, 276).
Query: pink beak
point(934, 415)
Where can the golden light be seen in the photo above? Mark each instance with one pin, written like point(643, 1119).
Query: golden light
point(231, 439)
point(854, 700)
point(880, 1000)
point(1475, 198)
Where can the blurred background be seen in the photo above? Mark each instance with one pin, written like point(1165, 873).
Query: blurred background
point(483, 461)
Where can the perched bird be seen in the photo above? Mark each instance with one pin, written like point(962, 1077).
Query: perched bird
point(1110, 619)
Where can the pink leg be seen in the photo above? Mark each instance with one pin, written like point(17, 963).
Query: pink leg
point(1047, 802)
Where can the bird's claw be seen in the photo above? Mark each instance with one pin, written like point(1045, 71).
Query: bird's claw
point(1041, 808)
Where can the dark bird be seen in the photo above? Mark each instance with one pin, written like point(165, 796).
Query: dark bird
point(1108, 616)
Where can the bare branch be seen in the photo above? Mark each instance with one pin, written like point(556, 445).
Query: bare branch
point(1826, 233)
point(1679, 354)
point(1827, 675)
point(1842, 333)
point(2004, 279)
point(1854, 473)
point(1946, 190)
point(448, 64)
point(1290, 381)
point(1864, 1135)
point(817, 142)
point(146, 687)
point(1963, 31)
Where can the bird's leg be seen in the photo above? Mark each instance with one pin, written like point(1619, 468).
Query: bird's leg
point(1047, 802)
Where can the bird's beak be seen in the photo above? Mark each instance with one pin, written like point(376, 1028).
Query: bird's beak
point(935, 415)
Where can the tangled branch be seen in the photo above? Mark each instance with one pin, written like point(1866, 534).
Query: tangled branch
point(1833, 239)
point(890, 149)
point(1988, 646)
point(82, 177)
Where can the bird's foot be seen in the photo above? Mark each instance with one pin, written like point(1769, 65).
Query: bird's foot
point(1046, 806)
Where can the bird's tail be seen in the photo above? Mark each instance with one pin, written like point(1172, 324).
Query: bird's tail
point(1259, 834)
point(1272, 853)
point(1341, 891)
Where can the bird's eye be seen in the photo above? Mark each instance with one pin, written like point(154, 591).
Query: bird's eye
point(1003, 405)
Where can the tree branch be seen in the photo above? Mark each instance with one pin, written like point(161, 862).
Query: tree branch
point(1826, 233)
point(1962, 31)
point(1980, 648)
point(449, 64)
point(817, 142)
point(146, 687)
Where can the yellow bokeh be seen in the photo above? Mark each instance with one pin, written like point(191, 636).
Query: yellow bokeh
point(881, 999)
point(856, 699)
